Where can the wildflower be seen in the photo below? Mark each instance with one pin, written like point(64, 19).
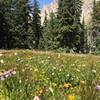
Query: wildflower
point(23, 70)
point(71, 97)
point(78, 70)
point(20, 81)
point(31, 69)
point(36, 70)
point(7, 75)
point(2, 78)
point(54, 84)
point(48, 57)
point(51, 90)
point(67, 85)
point(1, 54)
point(68, 75)
point(54, 68)
point(59, 55)
point(72, 65)
point(15, 53)
point(13, 72)
point(52, 73)
point(41, 91)
point(82, 84)
point(60, 70)
point(83, 65)
point(93, 71)
point(36, 98)
point(2, 61)
point(98, 87)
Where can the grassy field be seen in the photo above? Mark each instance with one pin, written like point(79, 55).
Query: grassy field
point(49, 76)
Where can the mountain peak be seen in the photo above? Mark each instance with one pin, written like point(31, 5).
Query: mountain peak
point(52, 7)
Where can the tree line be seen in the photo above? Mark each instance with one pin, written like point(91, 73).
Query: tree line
point(63, 31)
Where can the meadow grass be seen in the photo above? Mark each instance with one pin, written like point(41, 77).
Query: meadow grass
point(50, 76)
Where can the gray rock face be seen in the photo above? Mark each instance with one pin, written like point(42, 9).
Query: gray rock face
point(48, 8)
point(86, 10)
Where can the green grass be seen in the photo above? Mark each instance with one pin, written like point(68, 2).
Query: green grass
point(51, 76)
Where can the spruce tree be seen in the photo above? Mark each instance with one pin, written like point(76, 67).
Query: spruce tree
point(42, 43)
point(96, 24)
point(50, 32)
point(36, 23)
point(69, 12)
point(96, 18)
point(4, 23)
point(20, 24)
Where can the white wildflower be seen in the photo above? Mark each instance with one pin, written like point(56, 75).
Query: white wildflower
point(20, 81)
point(2, 61)
point(15, 53)
point(94, 71)
point(52, 73)
point(36, 98)
point(1, 54)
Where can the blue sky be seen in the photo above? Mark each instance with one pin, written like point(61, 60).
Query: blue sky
point(41, 2)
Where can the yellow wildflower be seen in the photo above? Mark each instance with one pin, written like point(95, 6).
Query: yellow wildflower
point(66, 85)
point(71, 97)
point(54, 84)
point(41, 91)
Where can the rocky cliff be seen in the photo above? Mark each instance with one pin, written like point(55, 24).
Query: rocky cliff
point(86, 10)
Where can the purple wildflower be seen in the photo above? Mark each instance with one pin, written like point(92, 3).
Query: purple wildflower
point(98, 87)
point(7, 74)
point(13, 72)
point(2, 78)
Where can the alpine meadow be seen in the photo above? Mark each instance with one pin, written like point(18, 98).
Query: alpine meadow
point(50, 51)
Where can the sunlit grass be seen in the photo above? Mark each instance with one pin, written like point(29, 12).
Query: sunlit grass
point(50, 76)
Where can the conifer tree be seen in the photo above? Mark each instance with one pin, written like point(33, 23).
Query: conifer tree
point(69, 12)
point(36, 23)
point(44, 28)
point(50, 32)
point(20, 24)
point(96, 24)
point(4, 23)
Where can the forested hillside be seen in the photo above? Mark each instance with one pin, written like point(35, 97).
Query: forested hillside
point(21, 28)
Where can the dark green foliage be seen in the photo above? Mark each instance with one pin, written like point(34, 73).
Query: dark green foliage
point(15, 31)
point(96, 16)
point(50, 33)
point(4, 23)
point(62, 31)
point(96, 25)
point(20, 25)
point(69, 12)
point(36, 23)
point(98, 42)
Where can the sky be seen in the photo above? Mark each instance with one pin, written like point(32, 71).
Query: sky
point(41, 2)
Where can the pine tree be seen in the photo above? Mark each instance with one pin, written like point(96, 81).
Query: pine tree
point(50, 32)
point(36, 23)
point(96, 24)
point(42, 42)
point(4, 23)
point(96, 18)
point(69, 12)
point(83, 37)
point(20, 25)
